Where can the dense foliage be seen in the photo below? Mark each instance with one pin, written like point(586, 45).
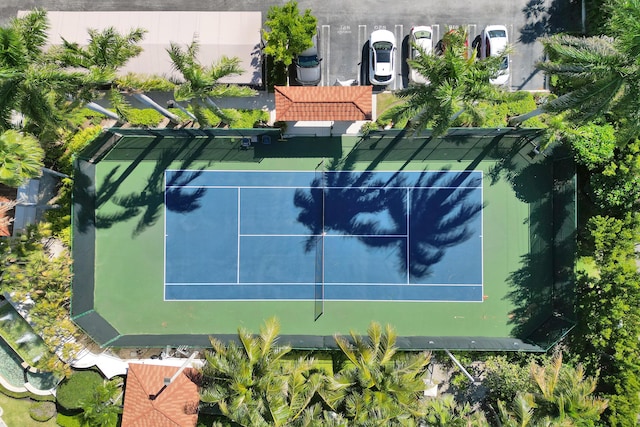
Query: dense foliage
point(77, 389)
point(289, 32)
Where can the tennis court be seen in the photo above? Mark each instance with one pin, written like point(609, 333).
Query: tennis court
point(329, 235)
point(459, 242)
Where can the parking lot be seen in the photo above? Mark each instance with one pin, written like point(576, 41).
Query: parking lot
point(344, 50)
point(344, 27)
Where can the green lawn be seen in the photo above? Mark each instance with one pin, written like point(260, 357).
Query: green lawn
point(16, 413)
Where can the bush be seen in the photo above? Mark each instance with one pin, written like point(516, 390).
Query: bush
point(42, 411)
point(145, 83)
point(76, 144)
point(248, 118)
point(69, 420)
point(146, 117)
point(505, 379)
point(368, 127)
point(78, 387)
point(593, 145)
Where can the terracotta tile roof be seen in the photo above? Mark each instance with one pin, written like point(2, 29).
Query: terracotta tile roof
point(323, 103)
point(173, 407)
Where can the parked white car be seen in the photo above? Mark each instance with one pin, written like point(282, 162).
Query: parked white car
point(493, 41)
point(382, 57)
point(308, 65)
point(421, 36)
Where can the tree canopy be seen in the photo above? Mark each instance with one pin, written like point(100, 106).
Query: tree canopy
point(289, 32)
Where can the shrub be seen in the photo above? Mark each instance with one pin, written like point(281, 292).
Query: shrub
point(70, 420)
point(147, 117)
point(593, 145)
point(368, 127)
point(78, 387)
point(504, 379)
point(42, 411)
point(76, 144)
point(145, 83)
point(248, 118)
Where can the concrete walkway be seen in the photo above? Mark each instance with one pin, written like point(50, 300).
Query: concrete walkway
point(111, 365)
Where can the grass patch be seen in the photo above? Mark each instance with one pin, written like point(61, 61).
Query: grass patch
point(16, 413)
point(385, 101)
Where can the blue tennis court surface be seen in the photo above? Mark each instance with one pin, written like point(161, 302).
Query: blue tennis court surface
point(335, 235)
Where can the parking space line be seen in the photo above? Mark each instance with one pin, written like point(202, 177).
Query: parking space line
point(399, 33)
point(325, 49)
point(362, 38)
point(471, 35)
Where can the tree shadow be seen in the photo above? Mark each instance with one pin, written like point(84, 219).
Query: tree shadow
point(146, 203)
point(439, 211)
point(541, 290)
point(544, 19)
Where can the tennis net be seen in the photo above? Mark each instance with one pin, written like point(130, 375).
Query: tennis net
point(320, 190)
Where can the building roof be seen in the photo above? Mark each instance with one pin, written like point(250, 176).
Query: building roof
point(233, 33)
point(174, 406)
point(323, 103)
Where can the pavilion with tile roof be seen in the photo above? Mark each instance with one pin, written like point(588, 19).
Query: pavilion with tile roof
point(150, 402)
point(323, 103)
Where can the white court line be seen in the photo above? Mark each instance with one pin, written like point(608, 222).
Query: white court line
point(325, 49)
point(408, 240)
point(356, 284)
point(238, 259)
point(397, 236)
point(261, 187)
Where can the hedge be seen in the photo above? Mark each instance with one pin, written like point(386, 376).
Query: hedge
point(78, 387)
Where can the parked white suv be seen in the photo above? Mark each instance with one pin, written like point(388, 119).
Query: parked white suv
point(493, 41)
point(382, 57)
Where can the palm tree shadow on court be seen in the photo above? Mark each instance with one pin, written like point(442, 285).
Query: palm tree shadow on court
point(147, 202)
point(541, 289)
point(377, 212)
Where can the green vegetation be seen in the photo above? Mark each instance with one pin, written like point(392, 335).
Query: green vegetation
point(77, 389)
point(289, 32)
point(16, 413)
point(20, 158)
point(201, 83)
point(42, 411)
point(144, 118)
point(254, 384)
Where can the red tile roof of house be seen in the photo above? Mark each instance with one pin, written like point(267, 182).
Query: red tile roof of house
point(174, 406)
point(323, 103)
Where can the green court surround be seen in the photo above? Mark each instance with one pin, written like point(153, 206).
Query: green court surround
point(528, 234)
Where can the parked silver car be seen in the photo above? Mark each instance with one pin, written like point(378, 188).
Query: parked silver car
point(308, 65)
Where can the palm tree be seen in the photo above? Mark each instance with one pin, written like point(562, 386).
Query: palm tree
point(106, 52)
point(29, 83)
point(457, 83)
point(444, 411)
point(202, 83)
point(100, 410)
point(601, 77)
point(20, 158)
point(252, 385)
point(377, 386)
point(566, 393)
point(563, 396)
